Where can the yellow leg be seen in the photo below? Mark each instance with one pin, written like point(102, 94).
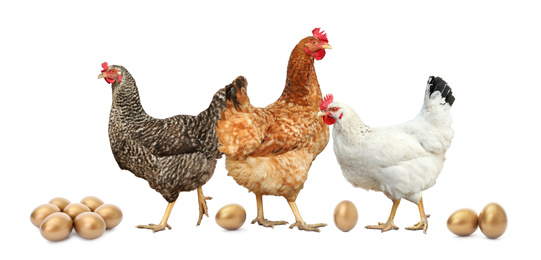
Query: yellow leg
point(260, 219)
point(299, 223)
point(163, 224)
point(423, 224)
point(203, 210)
point(390, 222)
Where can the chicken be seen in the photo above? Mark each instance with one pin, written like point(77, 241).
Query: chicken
point(174, 154)
point(270, 150)
point(402, 160)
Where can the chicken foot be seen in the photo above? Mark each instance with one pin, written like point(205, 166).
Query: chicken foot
point(203, 210)
point(260, 219)
point(423, 224)
point(163, 224)
point(384, 227)
point(299, 223)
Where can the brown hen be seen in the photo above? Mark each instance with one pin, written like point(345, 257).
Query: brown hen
point(270, 150)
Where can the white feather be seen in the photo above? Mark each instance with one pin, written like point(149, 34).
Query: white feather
point(402, 160)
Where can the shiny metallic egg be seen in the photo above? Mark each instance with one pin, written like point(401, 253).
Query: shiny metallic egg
point(462, 222)
point(345, 215)
point(56, 226)
point(111, 214)
point(231, 216)
point(493, 220)
point(75, 208)
point(41, 212)
point(92, 202)
point(89, 225)
point(60, 202)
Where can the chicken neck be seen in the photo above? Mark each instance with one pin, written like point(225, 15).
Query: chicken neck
point(126, 99)
point(350, 123)
point(301, 87)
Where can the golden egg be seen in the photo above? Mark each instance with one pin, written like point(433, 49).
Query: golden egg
point(231, 216)
point(92, 202)
point(60, 202)
point(462, 222)
point(89, 225)
point(493, 220)
point(56, 226)
point(75, 208)
point(41, 212)
point(111, 214)
point(345, 215)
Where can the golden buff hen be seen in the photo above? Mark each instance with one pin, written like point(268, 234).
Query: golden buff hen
point(270, 150)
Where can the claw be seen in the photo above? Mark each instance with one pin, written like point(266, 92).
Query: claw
point(267, 223)
point(203, 209)
point(421, 225)
point(307, 227)
point(154, 227)
point(384, 227)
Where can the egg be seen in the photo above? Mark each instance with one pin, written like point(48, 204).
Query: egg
point(89, 225)
point(111, 214)
point(345, 215)
point(92, 202)
point(56, 226)
point(462, 222)
point(75, 208)
point(41, 212)
point(231, 216)
point(60, 202)
point(493, 220)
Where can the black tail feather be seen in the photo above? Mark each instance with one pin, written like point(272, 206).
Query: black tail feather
point(438, 84)
point(235, 87)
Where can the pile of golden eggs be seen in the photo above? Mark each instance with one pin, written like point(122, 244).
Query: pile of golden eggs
point(492, 221)
point(89, 218)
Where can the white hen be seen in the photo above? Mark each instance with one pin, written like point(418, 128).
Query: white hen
point(401, 160)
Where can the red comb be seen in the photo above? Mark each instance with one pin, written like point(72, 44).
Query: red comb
point(325, 102)
point(105, 66)
point(321, 35)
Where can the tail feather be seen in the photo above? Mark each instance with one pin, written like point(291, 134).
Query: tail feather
point(437, 84)
point(236, 93)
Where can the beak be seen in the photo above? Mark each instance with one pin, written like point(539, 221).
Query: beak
point(101, 75)
point(327, 46)
point(321, 113)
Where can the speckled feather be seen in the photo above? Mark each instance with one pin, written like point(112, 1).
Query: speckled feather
point(270, 150)
point(175, 154)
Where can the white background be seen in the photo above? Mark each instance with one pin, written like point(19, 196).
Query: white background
point(54, 115)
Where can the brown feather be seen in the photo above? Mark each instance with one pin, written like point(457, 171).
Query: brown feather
point(270, 150)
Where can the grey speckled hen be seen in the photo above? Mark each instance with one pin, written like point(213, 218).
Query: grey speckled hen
point(175, 154)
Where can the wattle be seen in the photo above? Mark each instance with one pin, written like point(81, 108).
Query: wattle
point(318, 55)
point(329, 120)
